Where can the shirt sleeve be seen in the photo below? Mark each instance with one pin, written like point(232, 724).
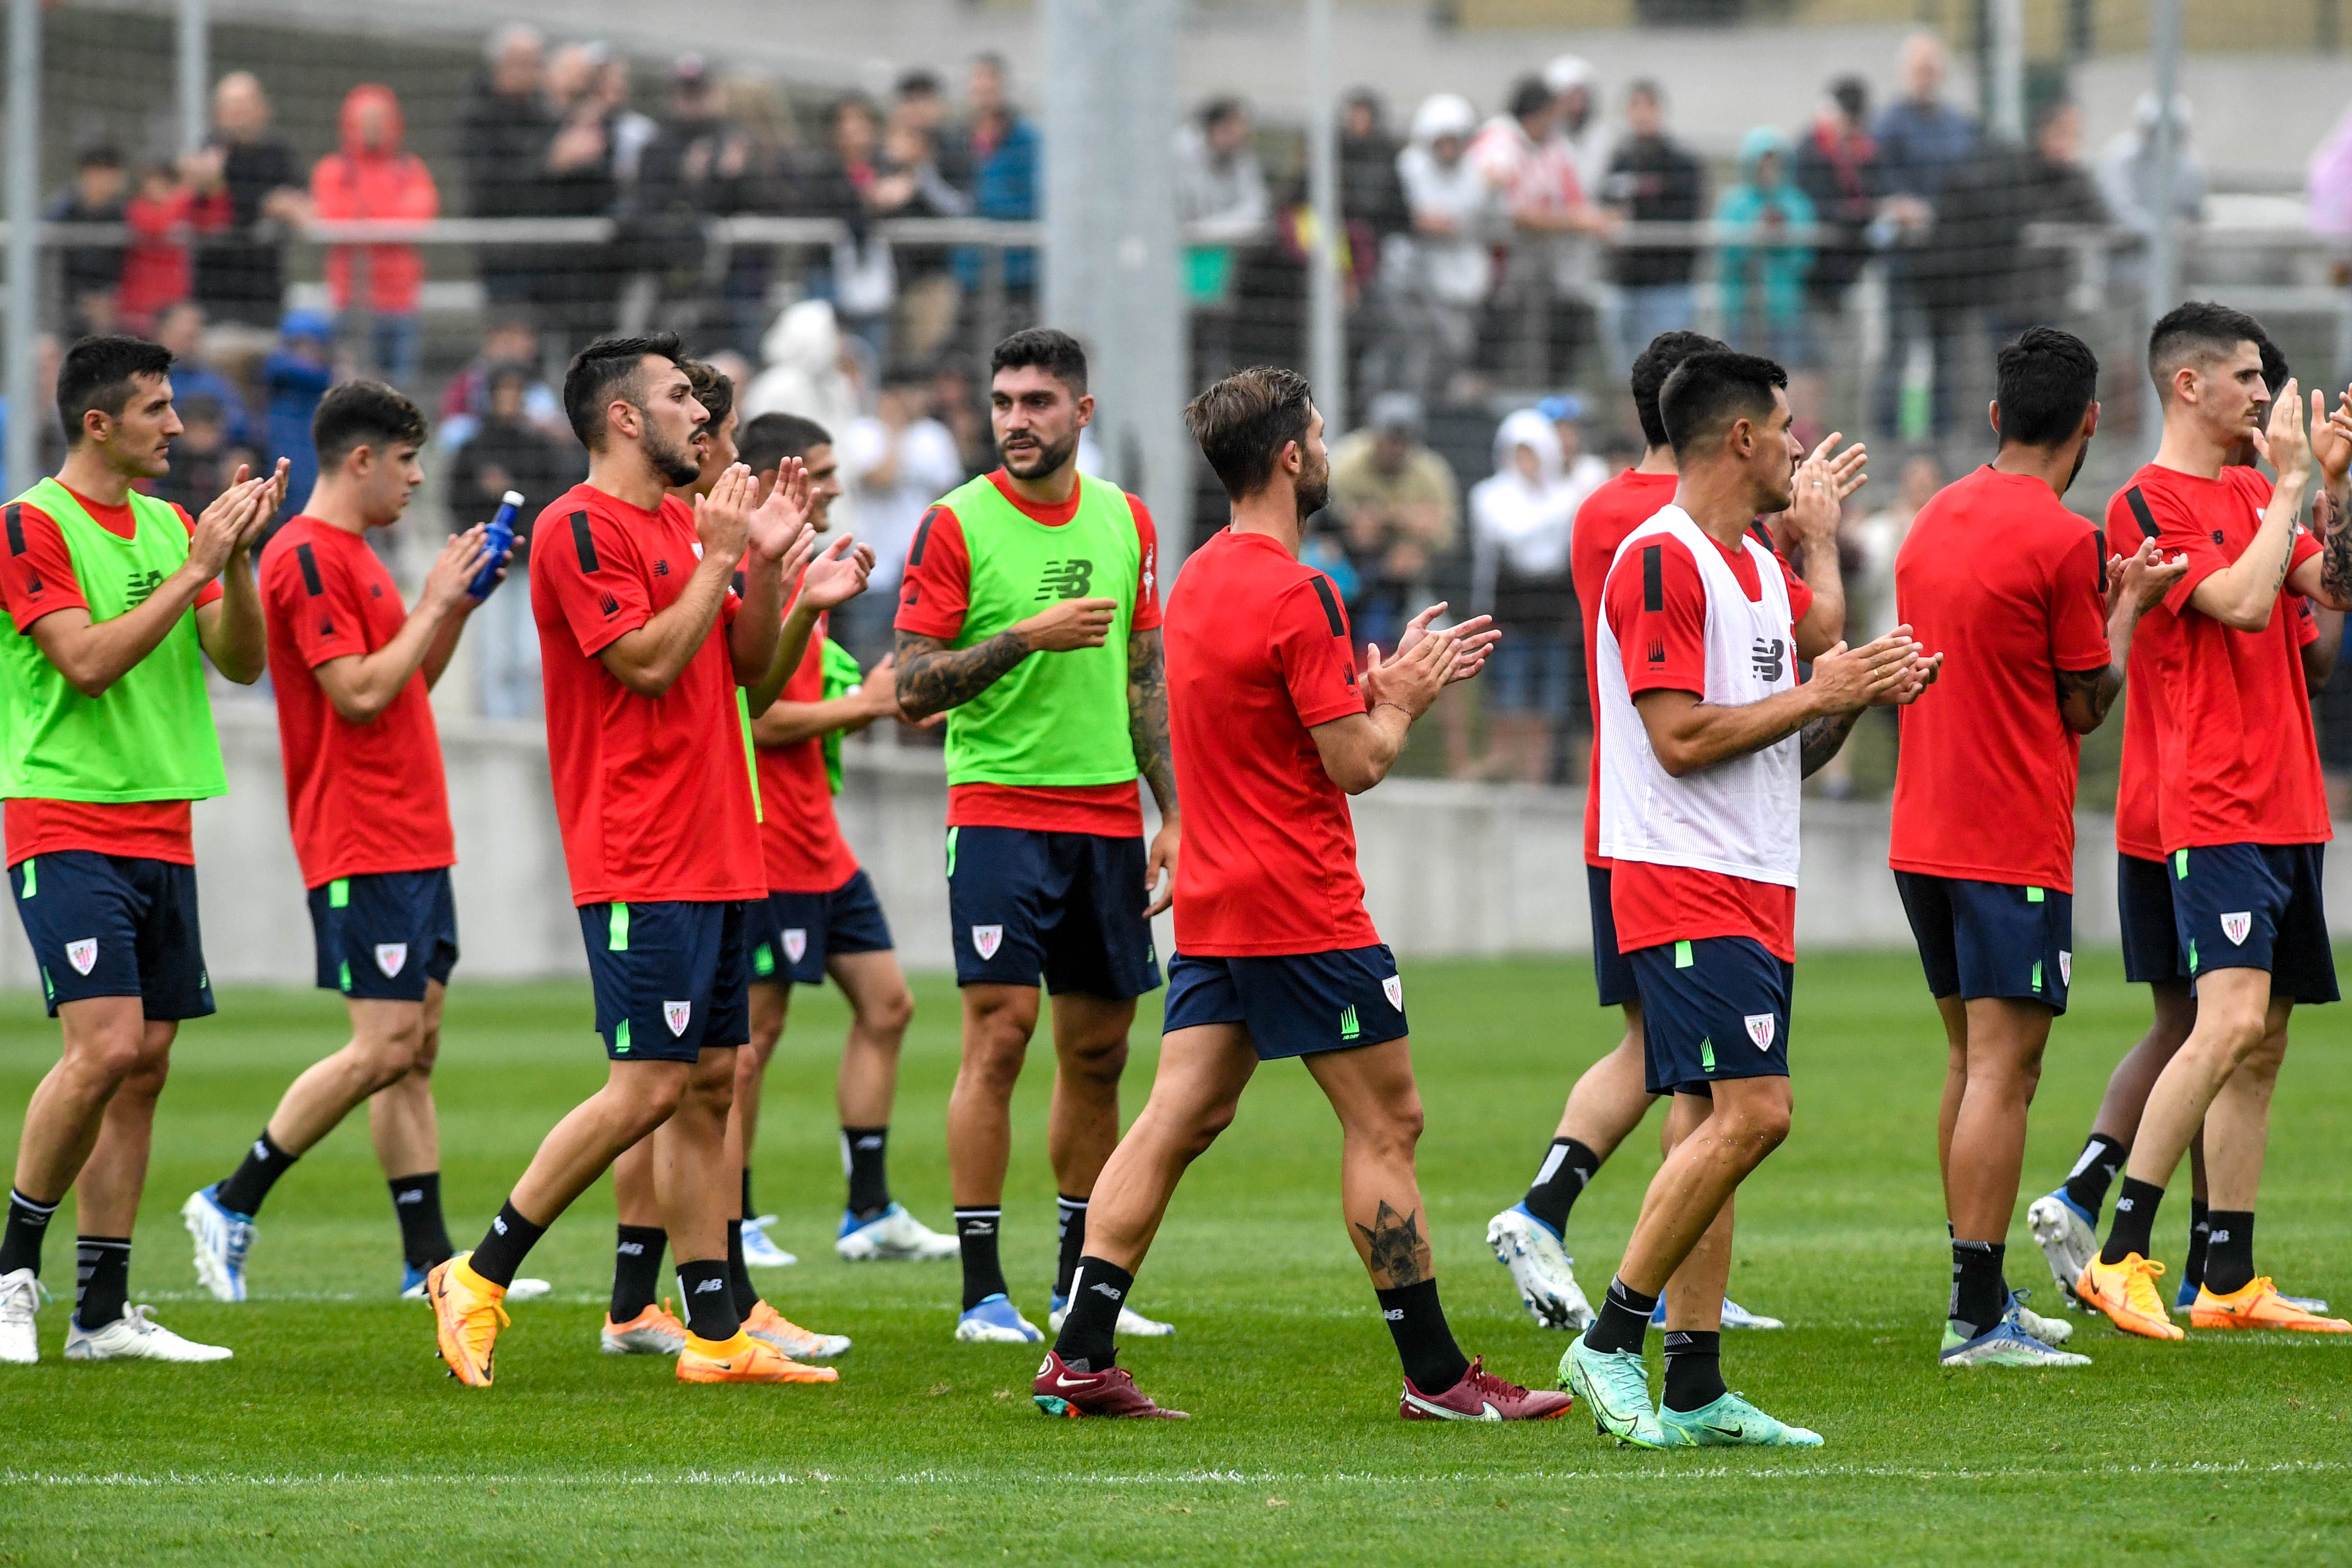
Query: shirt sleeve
point(1801, 592)
point(1655, 602)
point(39, 577)
point(1310, 645)
point(1146, 586)
point(2078, 607)
point(2306, 622)
point(2176, 533)
point(210, 591)
point(597, 580)
point(937, 588)
point(317, 602)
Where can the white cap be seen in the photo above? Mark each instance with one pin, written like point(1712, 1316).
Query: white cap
point(1443, 114)
point(511, 498)
point(1567, 71)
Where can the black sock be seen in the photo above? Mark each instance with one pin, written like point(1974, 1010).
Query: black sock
point(101, 1279)
point(1979, 1295)
point(2200, 1232)
point(976, 1231)
point(739, 1273)
point(863, 1152)
point(1623, 1321)
point(2230, 1251)
point(28, 1225)
point(2101, 1161)
point(265, 1161)
point(2134, 1223)
point(636, 1270)
point(709, 1305)
point(1432, 1360)
point(1088, 1342)
point(1561, 1182)
point(749, 1211)
point(505, 1245)
point(1694, 1368)
point(423, 1234)
point(1070, 1230)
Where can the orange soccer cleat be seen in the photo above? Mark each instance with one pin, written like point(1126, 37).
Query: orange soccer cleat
point(744, 1360)
point(2259, 1306)
point(2127, 1293)
point(764, 1323)
point(466, 1318)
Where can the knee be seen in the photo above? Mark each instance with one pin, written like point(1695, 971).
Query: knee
point(1096, 1061)
point(112, 1061)
point(1760, 1128)
point(429, 1052)
point(890, 1016)
point(392, 1056)
point(1394, 1129)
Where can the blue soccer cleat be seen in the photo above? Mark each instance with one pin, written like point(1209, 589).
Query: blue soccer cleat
point(2006, 1343)
point(222, 1236)
point(412, 1286)
point(2069, 1239)
point(996, 1320)
point(1734, 1316)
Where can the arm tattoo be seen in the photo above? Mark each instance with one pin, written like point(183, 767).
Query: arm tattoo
point(2328, 520)
point(1147, 715)
point(1822, 739)
point(1396, 1247)
point(934, 677)
point(2095, 689)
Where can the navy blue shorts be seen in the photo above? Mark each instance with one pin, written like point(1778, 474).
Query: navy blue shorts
point(1610, 972)
point(792, 933)
point(1065, 908)
point(114, 925)
point(1714, 1007)
point(2144, 899)
point(1980, 939)
point(670, 978)
point(381, 937)
point(1293, 1004)
point(2255, 906)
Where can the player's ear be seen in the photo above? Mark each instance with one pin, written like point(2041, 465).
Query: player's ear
point(1992, 417)
point(2091, 420)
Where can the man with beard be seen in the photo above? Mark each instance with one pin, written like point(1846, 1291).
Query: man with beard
point(1998, 573)
point(1053, 714)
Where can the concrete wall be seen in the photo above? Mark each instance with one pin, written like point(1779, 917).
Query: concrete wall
point(1451, 869)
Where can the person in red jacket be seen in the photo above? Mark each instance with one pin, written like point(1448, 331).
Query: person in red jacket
point(155, 271)
point(372, 179)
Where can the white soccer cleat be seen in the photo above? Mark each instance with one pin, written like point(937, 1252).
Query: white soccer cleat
point(2052, 1331)
point(892, 1236)
point(411, 1287)
point(136, 1336)
point(759, 1251)
point(2067, 1239)
point(1541, 1269)
point(222, 1238)
point(1132, 1325)
point(995, 1320)
point(21, 1295)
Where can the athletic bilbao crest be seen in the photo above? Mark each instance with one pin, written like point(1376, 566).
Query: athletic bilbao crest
point(82, 954)
point(391, 958)
point(987, 939)
point(1759, 1029)
point(795, 943)
point(675, 1014)
point(2233, 926)
point(2065, 967)
point(1394, 988)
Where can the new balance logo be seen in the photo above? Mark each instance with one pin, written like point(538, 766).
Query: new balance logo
point(1394, 1314)
point(1769, 658)
point(661, 568)
point(1349, 1028)
point(609, 605)
point(1114, 1293)
point(139, 584)
point(1066, 578)
point(1657, 651)
point(261, 1152)
point(409, 1196)
point(631, 1248)
point(498, 1224)
point(709, 1285)
point(2218, 1236)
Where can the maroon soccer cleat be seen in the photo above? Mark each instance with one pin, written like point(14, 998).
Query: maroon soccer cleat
point(1061, 1392)
point(1480, 1397)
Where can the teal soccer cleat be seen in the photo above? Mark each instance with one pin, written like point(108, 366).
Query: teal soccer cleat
point(1731, 1423)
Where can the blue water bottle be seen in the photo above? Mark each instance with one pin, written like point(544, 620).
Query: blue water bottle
point(500, 538)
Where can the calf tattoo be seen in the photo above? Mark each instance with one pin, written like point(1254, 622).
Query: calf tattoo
point(1396, 1247)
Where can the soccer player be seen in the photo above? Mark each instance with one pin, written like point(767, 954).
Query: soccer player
point(370, 807)
point(1997, 573)
point(1705, 737)
point(116, 599)
point(2241, 813)
point(1609, 1100)
point(1276, 956)
point(1053, 713)
point(821, 916)
point(645, 644)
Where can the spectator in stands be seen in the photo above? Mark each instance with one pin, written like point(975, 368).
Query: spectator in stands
point(1223, 202)
point(505, 129)
point(804, 374)
point(2050, 187)
point(1438, 280)
point(180, 328)
point(955, 402)
point(2129, 170)
point(910, 185)
point(1764, 276)
point(1372, 197)
point(593, 143)
point(203, 459)
point(898, 460)
point(91, 274)
point(1002, 149)
point(1519, 523)
point(249, 191)
point(296, 376)
point(919, 101)
point(1397, 507)
point(755, 107)
point(859, 283)
point(1867, 544)
point(1547, 276)
point(1652, 179)
point(694, 169)
point(156, 271)
point(374, 179)
point(509, 338)
point(1837, 168)
point(509, 451)
point(1579, 136)
point(2329, 186)
point(1921, 139)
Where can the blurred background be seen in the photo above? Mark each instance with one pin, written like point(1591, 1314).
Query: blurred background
point(1462, 217)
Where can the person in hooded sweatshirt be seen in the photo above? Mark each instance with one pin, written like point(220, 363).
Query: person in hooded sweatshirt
point(1520, 523)
point(803, 372)
point(372, 178)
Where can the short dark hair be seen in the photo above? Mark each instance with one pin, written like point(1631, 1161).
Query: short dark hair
point(97, 372)
point(1850, 94)
point(604, 365)
point(2200, 330)
point(1652, 365)
point(1244, 420)
point(98, 155)
point(362, 413)
point(1217, 110)
point(1647, 86)
point(1049, 348)
point(918, 83)
point(2043, 382)
point(712, 388)
point(1529, 96)
point(1708, 391)
point(2275, 369)
point(768, 440)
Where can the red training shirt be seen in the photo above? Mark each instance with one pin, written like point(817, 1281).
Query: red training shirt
point(39, 580)
point(2236, 760)
point(652, 794)
point(1258, 654)
point(1666, 650)
point(1614, 510)
point(932, 597)
point(1999, 577)
point(362, 798)
point(799, 837)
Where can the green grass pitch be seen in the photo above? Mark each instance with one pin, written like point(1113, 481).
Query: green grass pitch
point(334, 1437)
